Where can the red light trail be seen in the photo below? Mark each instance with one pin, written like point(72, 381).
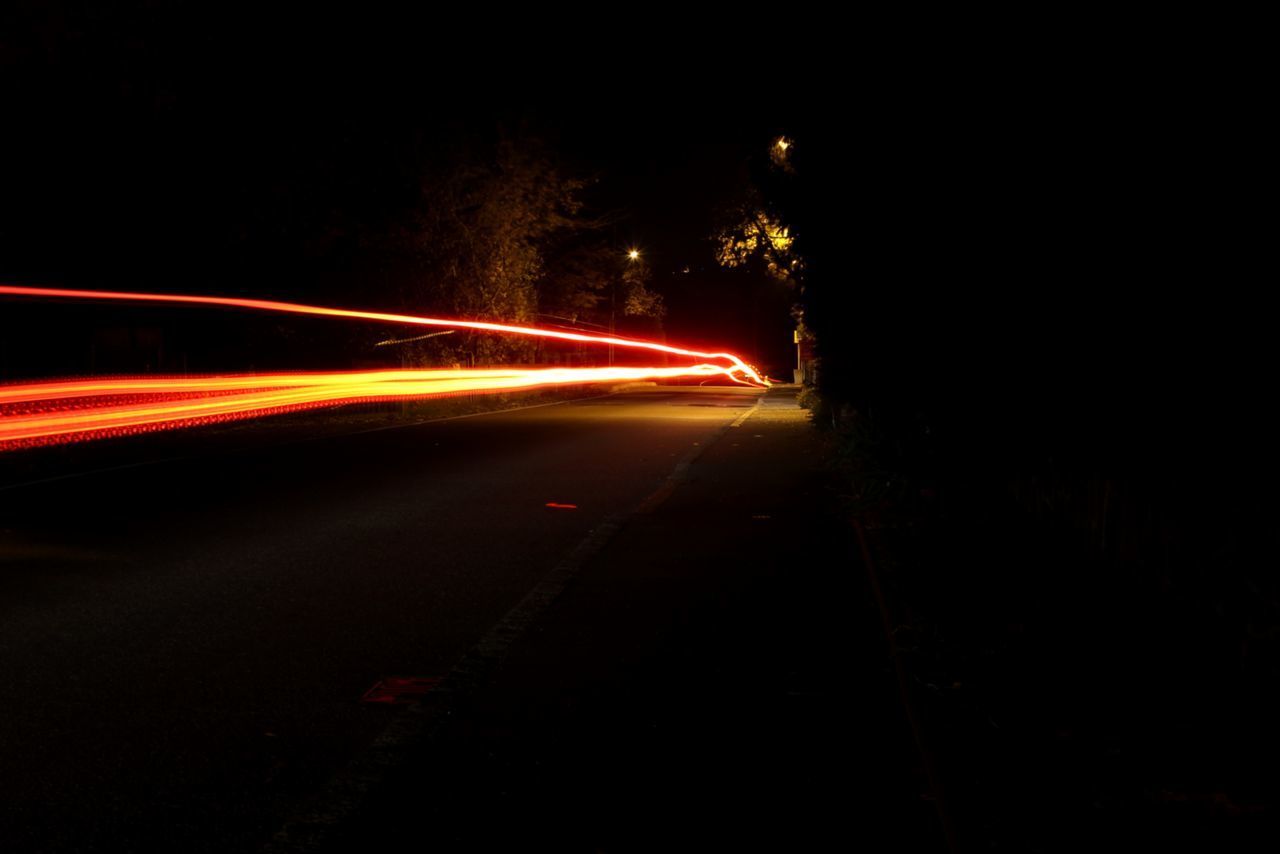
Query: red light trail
point(70, 410)
point(739, 367)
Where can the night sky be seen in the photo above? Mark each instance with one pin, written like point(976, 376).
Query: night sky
point(162, 150)
point(1031, 225)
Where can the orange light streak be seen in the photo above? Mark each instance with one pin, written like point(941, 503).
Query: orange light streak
point(749, 375)
point(58, 411)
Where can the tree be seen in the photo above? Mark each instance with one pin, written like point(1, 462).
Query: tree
point(753, 234)
point(479, 240)
point(638, 300)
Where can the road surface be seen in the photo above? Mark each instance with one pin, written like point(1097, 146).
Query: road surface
point(185, 644)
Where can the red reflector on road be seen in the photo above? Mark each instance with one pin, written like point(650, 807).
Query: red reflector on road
point(399, 689)
point(556, 506)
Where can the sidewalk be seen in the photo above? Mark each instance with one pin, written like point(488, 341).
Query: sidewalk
point(715, 678)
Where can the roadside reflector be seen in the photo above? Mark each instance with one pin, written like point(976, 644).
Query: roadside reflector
point(399, 690)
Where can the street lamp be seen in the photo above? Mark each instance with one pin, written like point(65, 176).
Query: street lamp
point(633, 255)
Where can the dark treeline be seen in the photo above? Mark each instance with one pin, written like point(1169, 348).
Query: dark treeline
point(1041, 275)
point(1040, 325)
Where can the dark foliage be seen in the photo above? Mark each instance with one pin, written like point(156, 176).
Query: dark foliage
point(1041, 338)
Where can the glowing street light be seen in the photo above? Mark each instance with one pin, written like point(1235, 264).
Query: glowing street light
point(633, 255)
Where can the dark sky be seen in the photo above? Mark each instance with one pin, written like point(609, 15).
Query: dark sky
point(144, 141)
point(132, 111)
point(986, 210)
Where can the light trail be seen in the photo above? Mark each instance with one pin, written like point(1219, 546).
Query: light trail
point(68, 410)
point(748, 374)
point(58, 411)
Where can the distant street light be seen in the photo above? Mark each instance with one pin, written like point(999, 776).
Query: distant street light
point(633, 255)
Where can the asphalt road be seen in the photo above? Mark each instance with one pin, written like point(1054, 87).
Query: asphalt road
point(184, 645)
